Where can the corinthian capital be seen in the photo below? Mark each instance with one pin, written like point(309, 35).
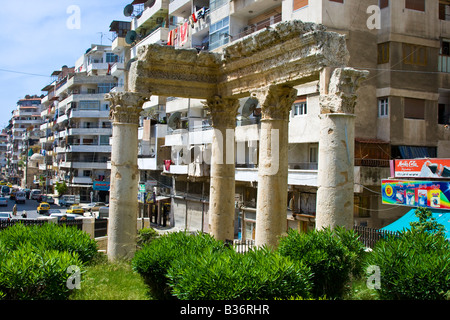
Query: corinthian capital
point(338, 94)
point(276, 101)
point(125, 106)
point(223, 111)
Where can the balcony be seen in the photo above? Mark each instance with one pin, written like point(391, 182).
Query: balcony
point(117, 69)
point(158, 36)
point(90, 114)
point(177, 169)
point(81, 180)
point(149, 17)
point(147, 164)
point(257, 26)
point(84, 165)
point(90, 131)
point(182, 104)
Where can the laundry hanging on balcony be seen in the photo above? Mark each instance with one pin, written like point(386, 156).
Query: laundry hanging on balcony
point(183, 33)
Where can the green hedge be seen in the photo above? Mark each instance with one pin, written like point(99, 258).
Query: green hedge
point(155, 258)
point(183, 266)
point(34, 260)
point(334, 256)
point(227, 275)
point(414, 265)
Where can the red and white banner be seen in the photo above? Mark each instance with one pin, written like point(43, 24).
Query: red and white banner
point(422, 168)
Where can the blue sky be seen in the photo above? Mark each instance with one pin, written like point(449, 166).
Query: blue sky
point(35, 38)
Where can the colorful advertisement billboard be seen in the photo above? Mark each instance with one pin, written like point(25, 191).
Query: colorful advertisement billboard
point(413, 193)
point(422, 168)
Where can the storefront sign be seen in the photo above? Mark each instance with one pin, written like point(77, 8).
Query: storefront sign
point(427, 194)
point(422, 168)
point(101, 185)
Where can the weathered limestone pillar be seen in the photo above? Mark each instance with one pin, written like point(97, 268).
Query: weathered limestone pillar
point(336, 147)
point(223, 112)
point(276, 103)
point(125, 110)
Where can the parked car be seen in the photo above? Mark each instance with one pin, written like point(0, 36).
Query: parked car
point(75, 209)
point(43, 208)
point(68, 200)
point(5, 190)
point(3, 201)
point(68, 216)
point(35, 193)
point(20, 197)
point(27, 192)
point(5, 216)
point(46, 198)
point(12, 194)
point(103, 212)
point(94, 206)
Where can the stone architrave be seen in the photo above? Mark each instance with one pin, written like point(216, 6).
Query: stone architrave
point(336, 147)
point(276, 103)
point(223, 112)
point(125, 110)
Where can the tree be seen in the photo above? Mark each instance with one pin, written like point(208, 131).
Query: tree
point(426, 223)
point(61, 188)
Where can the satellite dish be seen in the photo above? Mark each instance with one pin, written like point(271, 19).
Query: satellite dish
point(174, 119)
point(128, 10)
point(150, 3)
point(131, 37)
point(249, 106)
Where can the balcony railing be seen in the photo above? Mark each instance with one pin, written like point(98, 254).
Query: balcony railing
point(258, 26)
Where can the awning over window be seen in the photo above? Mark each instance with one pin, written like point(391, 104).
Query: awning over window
point(441, 216)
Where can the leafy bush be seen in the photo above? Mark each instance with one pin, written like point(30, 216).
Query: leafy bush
point(50, 236)
point(227, 275)
point(146, 235)
point(30, 273)
point(155, 258)
point(414, 265)
point(34, 260)
point(334, 256)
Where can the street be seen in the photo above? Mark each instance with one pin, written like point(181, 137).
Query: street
point(29, 206)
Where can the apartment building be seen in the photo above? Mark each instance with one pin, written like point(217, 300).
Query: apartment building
point(77, 128)
point(3, 151)
point(23, 132)
point(402, 111)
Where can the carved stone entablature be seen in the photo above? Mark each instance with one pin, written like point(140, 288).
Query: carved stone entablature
point(276, 101)
point(339, 94)
point(125, 106)
point(222, 111)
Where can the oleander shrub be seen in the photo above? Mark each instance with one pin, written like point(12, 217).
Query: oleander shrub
point(154, 259)
point(34, 260)
point(50, 236)
point(334, 256)
point(31, 273)
point(413, 265)
point(227, 275)
point(146, 235)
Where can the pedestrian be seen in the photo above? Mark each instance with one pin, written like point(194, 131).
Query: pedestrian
point(15, 210)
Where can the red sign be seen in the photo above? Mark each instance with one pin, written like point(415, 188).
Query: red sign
point(422, 168)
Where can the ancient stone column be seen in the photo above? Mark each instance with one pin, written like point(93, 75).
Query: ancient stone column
point(276, 103)
point(122, 225)
point(223, 112)
point(337, 101)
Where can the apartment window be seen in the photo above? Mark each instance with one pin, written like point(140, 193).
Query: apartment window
point(414, 109)
point(314, 154)
point(383, 53)
point(89, 105)
point(87, 173)
point(106, 87)
point(418, 5)
point(300, 106)
point(104, 140)
point(383, 107)
point(298, 4)
point(444, 11)
point(111, 57)
point(414, 54)
point(215, 4)
point(443, 114)
point(219, 33)
point(384, 4)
